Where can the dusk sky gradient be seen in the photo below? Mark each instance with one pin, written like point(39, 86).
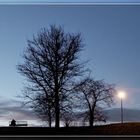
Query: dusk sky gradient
point(111, 35)
point(69, 1)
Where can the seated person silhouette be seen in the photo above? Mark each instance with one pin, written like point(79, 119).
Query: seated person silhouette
point(13, 123)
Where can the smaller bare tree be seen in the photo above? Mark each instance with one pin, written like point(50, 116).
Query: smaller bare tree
point(68, 118)
point(44, 107)
point(67, 113)
point(42, 104)
point(93, 96)
point(99, 115)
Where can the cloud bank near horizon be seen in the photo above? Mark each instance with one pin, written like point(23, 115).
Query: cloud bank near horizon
point(10, 109)
point(13, 109)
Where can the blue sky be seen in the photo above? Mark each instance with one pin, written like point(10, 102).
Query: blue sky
point(68, 1)
point(111, 35)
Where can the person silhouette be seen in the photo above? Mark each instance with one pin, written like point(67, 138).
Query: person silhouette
point(13, 123)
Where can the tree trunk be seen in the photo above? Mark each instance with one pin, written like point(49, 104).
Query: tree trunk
point(91, 120)
point(50, 121)
point(57, 111)
point(92, 117)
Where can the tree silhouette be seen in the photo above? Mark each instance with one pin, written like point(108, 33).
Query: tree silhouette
point(44, 107)
point(51, 66)
point(93, 95)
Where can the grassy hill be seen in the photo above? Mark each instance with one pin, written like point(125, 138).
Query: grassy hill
point(111, 129)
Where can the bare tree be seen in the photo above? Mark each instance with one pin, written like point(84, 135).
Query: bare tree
point(51, 66)
point(99, 116)
point(68, 118)
point(93, 96)
point(44, 107)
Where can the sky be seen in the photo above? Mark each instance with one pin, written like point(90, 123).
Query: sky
point(111, 34)
point(69, 1)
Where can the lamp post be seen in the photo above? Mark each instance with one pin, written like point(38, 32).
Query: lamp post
point(121, 95)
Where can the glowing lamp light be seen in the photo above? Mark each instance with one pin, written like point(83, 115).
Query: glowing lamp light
point(121, 95)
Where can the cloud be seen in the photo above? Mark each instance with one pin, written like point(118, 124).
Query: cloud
point(128, 89)
point(10, 109)
point(128, 114)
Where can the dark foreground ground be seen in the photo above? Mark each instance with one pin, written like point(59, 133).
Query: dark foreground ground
point(112, 129)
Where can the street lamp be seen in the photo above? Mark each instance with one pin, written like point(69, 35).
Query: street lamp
point(121, 95)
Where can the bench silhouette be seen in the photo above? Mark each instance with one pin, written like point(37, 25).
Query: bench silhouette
point(19, 123)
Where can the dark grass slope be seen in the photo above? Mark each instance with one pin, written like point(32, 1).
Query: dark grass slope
point(112, 129)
